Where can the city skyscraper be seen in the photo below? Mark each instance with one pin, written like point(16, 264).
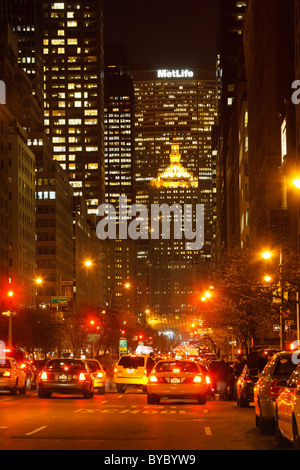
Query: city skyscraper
point(74, 93)
point(179, 102)
point(119, 180)
point(173, 265)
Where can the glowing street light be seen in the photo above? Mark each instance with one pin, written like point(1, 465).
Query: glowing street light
point(266, 255)
point(297, 183)
point(268, 278)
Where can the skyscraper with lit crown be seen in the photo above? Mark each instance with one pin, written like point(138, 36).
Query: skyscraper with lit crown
point(173, 264)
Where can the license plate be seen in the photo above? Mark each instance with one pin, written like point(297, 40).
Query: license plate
point(62, 377)
point(130, 371)
point(175, 380)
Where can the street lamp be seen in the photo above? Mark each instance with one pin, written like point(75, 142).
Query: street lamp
point(125, 286)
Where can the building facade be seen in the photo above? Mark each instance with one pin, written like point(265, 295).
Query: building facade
point(74, 93)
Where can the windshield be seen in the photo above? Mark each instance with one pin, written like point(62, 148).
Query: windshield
point(177, 366)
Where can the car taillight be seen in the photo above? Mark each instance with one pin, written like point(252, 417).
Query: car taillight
point(115, 369)
point(153, 379)
point(274, 391)
point(7, 374)
point(197, 379)
point(23, 366)
point(81, 377)
point(44, 376)
point(99, 375)
point(207, 380)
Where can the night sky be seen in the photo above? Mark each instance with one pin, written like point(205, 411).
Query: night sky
point(164, 32)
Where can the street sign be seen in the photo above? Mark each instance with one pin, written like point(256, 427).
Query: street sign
point(93, 338)
point(59, 300)
point(123, 346)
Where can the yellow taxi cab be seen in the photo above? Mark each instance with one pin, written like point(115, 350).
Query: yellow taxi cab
point(175, 379)
point(132, 371)
point(98, 374)
point(12, 377)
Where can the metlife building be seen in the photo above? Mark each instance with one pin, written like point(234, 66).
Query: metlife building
point(179, 103)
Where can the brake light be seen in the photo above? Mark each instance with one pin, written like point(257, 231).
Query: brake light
point(207, 380)
point(7, 374)
point(176, 371)
point(153, 379)
point(81, 377)
point(44, 376)
point(274, 391)
point(115, 369)
point(197, 379)
point(99, 375)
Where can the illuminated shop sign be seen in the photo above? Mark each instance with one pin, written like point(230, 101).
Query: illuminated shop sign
point(166, 73)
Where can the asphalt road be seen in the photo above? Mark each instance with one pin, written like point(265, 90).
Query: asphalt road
point(125, 422)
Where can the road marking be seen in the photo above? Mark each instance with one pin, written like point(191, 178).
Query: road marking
point(6, 399)
point(3, 427)
point(208, 431)
point(35, 431)
point(205, 411)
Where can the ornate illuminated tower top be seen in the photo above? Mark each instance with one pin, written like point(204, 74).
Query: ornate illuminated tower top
point(175, 175)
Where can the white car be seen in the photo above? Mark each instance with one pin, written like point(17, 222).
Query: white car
point(12, 377)
point(178, 379)
point(287, 427)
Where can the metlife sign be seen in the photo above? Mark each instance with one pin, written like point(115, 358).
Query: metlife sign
point(166, 73)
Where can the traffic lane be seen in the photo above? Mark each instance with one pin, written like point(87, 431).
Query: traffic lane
point(126, 422)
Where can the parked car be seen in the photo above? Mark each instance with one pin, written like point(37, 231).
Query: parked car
point(23, 360)
point(65, 376)
point(266, 390)
point(99, 375)
point(178, 379)
point(132, 371)
point(12, 377)
point(287, 414)
point(245, 386)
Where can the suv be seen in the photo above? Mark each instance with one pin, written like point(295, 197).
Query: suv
point(132, 371)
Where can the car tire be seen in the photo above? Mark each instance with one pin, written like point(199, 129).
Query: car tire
point(281, 441)
point(243, 402)
point(121, 388)
point(41, 393)
point(88, 395)
point(201, 399)
point(14, 390)
point(296, 437)
point(151, 399)
point(266, 426)
point(23, 390)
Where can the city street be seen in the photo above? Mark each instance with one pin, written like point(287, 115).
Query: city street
point(125, 422)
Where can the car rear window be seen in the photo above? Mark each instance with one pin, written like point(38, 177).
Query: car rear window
point(285, 366)
point(5, 364)
point(61, 365)
point(181, 366)
point(93, 366)
point(131, 362)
